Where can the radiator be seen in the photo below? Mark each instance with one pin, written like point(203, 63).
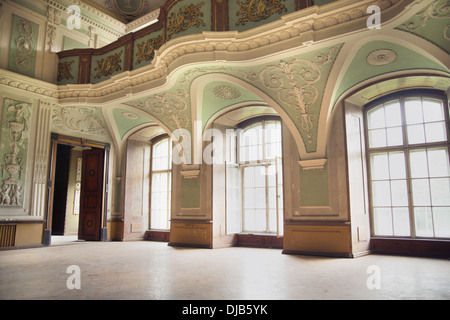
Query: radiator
point(7, 235)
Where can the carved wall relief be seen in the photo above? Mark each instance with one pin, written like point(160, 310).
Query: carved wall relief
point(298, 85)
point(185, 18)
point(14, 148)
point(146, 49)
point(23, 46)
point(109, 65)
point(84, 120)
point(65, 70)
point(257, 10)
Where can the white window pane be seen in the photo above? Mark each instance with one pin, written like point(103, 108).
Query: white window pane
point(249, 198)
point(260, 198)
point(438, 163)
point(413, 111)
point(249, 177)
point(379, 166)
point(423, 222)
point(440, 191)
point(243, 154)
point(393, 114)
point(272, 220)
point(156, 164)
point(433, 110)
point(253, 153)
point(249, 219)
point(421, 192)
point(435, 132)
point(271, 176)
point(441, 217)
point(375, 118)
point(397, 167)
point(416, 134)
point(399, 193)
point(273, 150)
point(155, 201)
point(163, 201)
point(260, 176)
point(381, 194)
point(244, 139)
point(394, 136)
point(156, 181)
point(272, 198)
point(163, 181)
point(419, 164)
point(272, 131)
point(382, 222)
point(401, 222)
point(260, 221)
point(377, 138)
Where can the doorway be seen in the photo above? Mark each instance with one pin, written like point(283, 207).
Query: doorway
point(76, 191)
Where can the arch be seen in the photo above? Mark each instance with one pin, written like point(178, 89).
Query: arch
point(197, 93)
point(434, 65)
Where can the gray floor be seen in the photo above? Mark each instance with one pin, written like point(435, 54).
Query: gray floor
point(153, 270)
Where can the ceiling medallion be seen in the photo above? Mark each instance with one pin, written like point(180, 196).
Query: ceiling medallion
point(129, 115)
point(381, 57)
point(129, 7)
point(226, 92)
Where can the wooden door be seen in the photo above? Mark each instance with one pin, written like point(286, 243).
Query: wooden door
point(91, 195)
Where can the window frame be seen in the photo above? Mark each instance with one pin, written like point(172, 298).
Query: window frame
point(263, 162)
point(406, 148)
point(153, 143)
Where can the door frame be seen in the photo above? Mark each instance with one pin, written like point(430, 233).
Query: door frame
point(56, 139)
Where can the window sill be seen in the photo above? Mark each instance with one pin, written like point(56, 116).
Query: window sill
point(411, 247)
point(259, 240)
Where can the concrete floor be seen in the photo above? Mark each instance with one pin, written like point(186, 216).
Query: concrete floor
point(153, 270)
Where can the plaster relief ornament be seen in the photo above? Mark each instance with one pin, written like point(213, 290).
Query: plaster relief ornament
point(15, 133)
point(295, 83)
point(257, 10)
point(85, 120)
point(226, 92)
point(24, 45)
point(381, 57)
point(186, 17)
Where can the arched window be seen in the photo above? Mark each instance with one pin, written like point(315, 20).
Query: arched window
point(259, 157)
point(161, 184)
point(408, 152)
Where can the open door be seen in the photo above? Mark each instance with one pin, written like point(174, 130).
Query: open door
point(91, 195)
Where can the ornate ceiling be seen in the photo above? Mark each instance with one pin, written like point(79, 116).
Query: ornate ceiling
point(126, 10)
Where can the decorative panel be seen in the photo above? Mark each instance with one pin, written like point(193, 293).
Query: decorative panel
point(184, 19)
point(190, 193)
point(145, 47)
point(13, 151)
point(106, 65)
point(68, 70)
point(314, 188)
point(79, 120)
point(23, 46)
point(247, 14)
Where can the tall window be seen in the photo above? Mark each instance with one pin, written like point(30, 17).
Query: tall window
point(161, 171)
point(408, 152)
point(260, 160)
